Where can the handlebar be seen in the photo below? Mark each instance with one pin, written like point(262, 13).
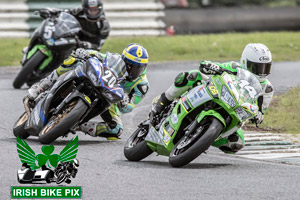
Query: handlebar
point(48, 12)
point(228, 71)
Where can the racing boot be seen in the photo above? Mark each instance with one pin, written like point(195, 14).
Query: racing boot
point(42, 86)
point(102, 129)
point(159, 103)
point(232, 144)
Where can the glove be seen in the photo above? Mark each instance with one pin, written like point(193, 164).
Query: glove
point(124, 102)
point(210, 68)
point(258, 119)
point(82, 54)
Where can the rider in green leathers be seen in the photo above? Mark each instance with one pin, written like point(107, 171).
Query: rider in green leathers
point(134, 82)
point(256, 58)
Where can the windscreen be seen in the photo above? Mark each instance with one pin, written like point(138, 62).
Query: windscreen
point(248, 85)
point(66, 24)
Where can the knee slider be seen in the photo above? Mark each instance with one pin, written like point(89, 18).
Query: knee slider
point(181, 79)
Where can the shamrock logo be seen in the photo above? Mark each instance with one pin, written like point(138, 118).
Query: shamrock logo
point(43, 158)
point(27, 155)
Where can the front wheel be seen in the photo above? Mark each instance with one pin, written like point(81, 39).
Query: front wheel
point(190, 147)
point(136, 147)
point(18, 128)
point(61, 178)
point(28, 68)
point(59, 125)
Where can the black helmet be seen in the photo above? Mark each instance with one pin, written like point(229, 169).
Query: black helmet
point(92, 9)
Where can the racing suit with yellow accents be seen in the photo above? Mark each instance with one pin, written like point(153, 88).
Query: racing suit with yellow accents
point(187, 80)
point(112, 126)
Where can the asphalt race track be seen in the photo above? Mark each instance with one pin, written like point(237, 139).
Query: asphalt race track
point(104, 173)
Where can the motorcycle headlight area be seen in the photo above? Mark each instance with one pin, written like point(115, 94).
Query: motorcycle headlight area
point(242, 114)
point(79, 70)
point(227, 97)
point(111, 97)
point(93, 76)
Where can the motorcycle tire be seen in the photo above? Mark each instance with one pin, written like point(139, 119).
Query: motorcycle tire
point(27, 69)
point(61, 178)
point(201, 143)
point(18, 128)
point(59, 125)
point(137, 151)
point(68, 181)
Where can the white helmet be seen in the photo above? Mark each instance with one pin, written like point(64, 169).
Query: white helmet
point(257, 58)
point(76, 162)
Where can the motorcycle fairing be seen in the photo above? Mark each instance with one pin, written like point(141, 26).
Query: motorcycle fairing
point(107, 78)
point(39, 115)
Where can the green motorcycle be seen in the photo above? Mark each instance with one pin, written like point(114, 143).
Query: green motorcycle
point(51, 43)
point(190, 124)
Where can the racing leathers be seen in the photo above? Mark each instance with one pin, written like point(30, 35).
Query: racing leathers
point(93, 34)
point(187, 80)
point(112, 126)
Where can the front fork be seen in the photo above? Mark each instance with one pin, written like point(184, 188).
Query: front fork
point(75, 94)
point(193, 126)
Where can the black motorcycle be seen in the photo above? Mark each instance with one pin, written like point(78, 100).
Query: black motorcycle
point(76, 97)
point(51, 43)
point(65, 171)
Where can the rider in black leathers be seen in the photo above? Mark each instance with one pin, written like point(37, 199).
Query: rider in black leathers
point(95, 26)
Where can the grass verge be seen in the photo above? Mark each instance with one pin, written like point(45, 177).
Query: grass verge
point(283, 114)
point(285, 46)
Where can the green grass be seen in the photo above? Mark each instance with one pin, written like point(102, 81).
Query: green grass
point(11, 51)
point(283, 114)
point(285, 46)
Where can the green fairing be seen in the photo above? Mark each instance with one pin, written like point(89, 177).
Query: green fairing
point(162, 141)
point(45, 51)
point(214, 113)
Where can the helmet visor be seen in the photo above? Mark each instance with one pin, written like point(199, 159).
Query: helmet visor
point(261, 69)
point(93, 12)
point(134, 71)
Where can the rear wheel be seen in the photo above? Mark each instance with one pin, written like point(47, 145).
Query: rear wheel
point(190, 147)
point(136, 147)
point(28, 68)
point(60, 124)
point(18, 129)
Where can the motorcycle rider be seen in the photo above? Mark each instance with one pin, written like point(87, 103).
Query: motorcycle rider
point(256, 58)
point(95, 26)
point(134, 82)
